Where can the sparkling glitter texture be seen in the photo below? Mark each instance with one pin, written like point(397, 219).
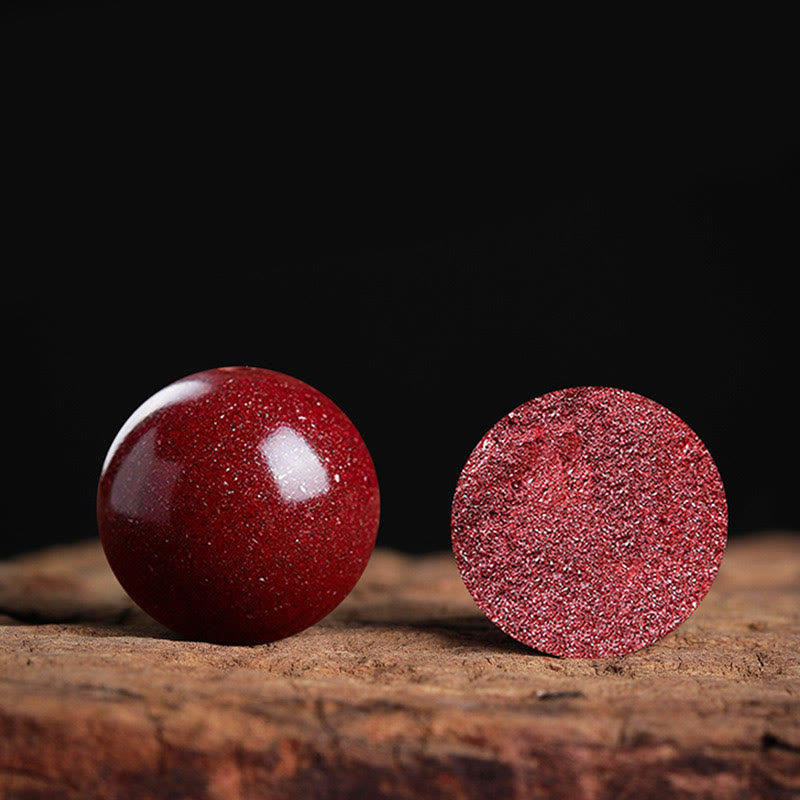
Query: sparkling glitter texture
point(589, 522)
point(238, 505)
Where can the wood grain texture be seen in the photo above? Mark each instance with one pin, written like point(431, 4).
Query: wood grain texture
point(406, 691)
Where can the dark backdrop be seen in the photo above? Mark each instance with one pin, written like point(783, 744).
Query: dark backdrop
point(429, 248)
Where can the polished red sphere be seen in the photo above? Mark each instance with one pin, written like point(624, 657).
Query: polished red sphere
point(238, 505)
point(589, 522)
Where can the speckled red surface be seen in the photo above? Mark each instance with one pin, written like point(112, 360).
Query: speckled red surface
point(589, 522)
point(238, 505)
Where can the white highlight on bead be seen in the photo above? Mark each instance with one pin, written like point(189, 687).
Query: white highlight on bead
point(295, 467)
point(168, 396)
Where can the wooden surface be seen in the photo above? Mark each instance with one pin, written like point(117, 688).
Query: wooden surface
point(406, 691)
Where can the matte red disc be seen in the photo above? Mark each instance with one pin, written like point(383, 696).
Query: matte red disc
point(589, 522)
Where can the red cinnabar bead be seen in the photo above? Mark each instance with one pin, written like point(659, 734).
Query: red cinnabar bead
point(589, 522)
point(238, 505)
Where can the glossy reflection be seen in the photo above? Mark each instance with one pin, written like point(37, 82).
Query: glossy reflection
point(168, 396)
point(295, 467)
point(143, 485)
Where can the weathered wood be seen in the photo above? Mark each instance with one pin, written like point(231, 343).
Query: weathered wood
point(406, 691)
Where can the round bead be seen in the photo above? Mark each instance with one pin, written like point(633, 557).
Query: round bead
point(589, 522)
point(238, 505)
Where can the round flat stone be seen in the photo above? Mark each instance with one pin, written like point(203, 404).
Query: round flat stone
point(589, 522)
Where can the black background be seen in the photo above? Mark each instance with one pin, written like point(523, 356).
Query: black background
point(428, 230)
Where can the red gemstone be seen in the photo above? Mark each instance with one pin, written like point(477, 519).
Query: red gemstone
point(238, 505)
point(589, 522)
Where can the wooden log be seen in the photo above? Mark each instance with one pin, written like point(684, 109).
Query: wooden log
point(405, 691)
